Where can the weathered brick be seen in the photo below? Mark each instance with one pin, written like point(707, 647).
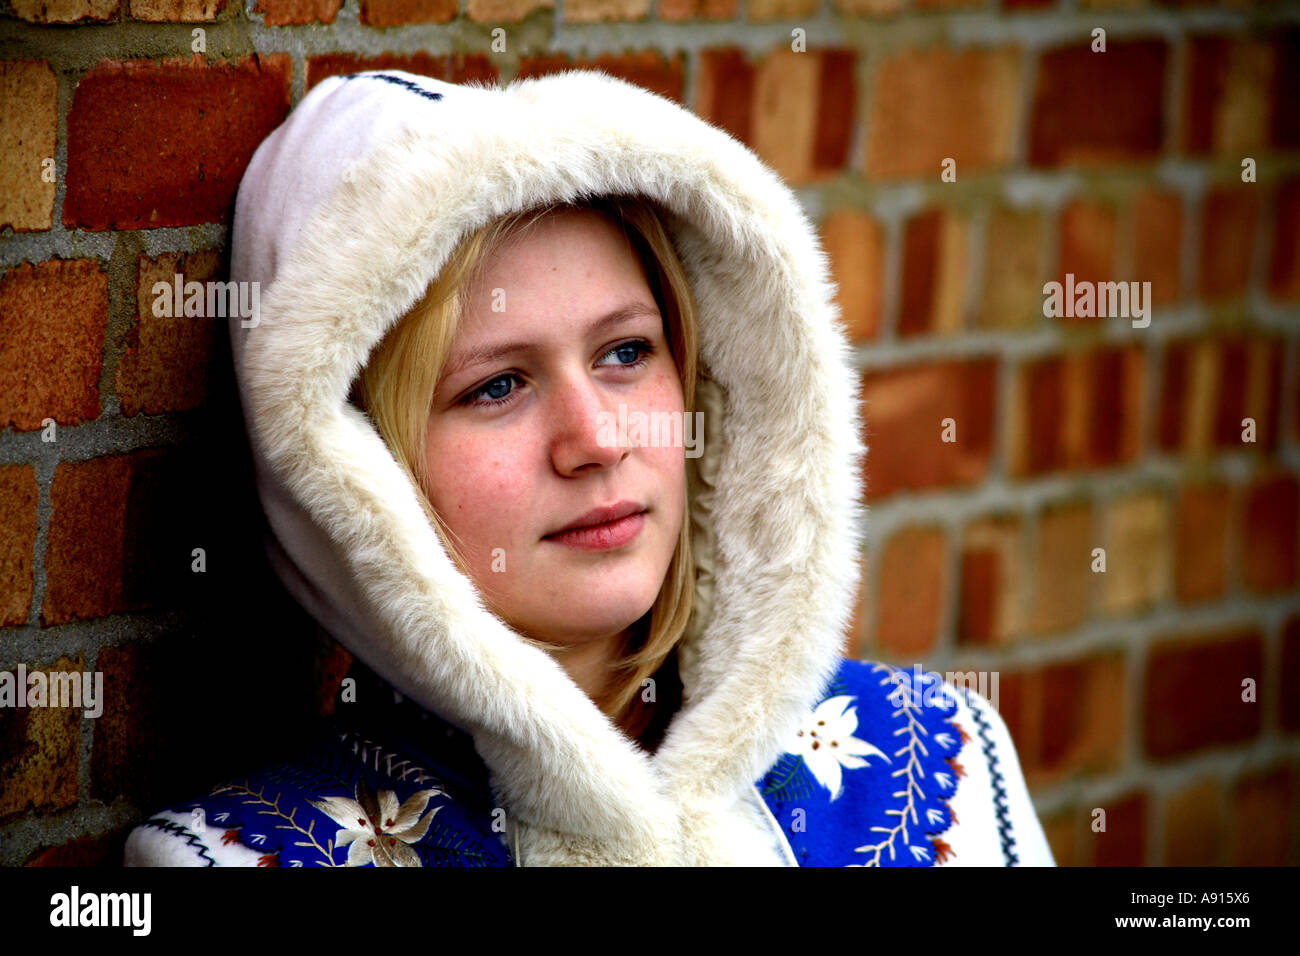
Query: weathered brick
point(1137, 552)
point(1062, 563)
point(122, 530)
point(1212, 383)
point(1284, 263)
point(18, 496)
point(912, 582)
point(52, 321)
point(1201, 541)
point(855, 243)
point(1124, 841)
point(1014, 268)
point(1270, 532)
point(600, 11)
point(1193, 825)
point(188, 11)
point(504, 11)
point(905, 408)
point(165, 365)
point(1077, 410)
point(781, 9)
point(803, 109)
point(991, 590)
point(1158, 227)
point(394, 13)
point(29, 107)
point(1284, 126)
point(1228, 218)
point(279, 13)
point(1027, 5)
point(64, 11)
point(1087, 247)
point(724, 92)
point(1066, 719)
point(1062, 831)
point(1262, 817)
point(935, 104)
point(165, 144)
point(681, 10)
point(935, 256)
point(39, 748)
point(453, 67)
point(1290, 683)
point(647, 68)
point(1193, 694)
point(1098, 108)
point(1229, 80)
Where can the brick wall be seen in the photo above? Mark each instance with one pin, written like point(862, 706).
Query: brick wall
point(1006, 445)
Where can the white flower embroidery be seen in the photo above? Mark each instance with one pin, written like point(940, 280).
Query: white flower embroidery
point(377, 829)
point(826, 743)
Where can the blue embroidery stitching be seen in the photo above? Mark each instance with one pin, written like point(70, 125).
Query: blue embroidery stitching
point(999, 790)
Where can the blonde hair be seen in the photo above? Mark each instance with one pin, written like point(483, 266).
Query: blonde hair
point(397, 385)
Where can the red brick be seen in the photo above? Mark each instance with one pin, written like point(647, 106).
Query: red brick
point(393, 13)
point(804, 106)
point(1137, 538)
point(1078, 410)
point(1227, 239)
point(29, 120)
point(600, 11)
point(1201, 541)
point(1290, 683)
point(648, 69)
point(1284, 126)
point(279, 13)
point(1099, 108)
point(1158, 235)
point(52, 320)
point(495, 12)
point(166, 361)
point(1066, 719)
point(187, 11)
point(992, 582)
point(1211, 384)
point(97, 851)
point(856, 245)
point(65, 11)
point(867, 8)
point(1061, 828)
point(725, 92)
point(1271, 530)
point(759, 10)
point(1027, 5)
point(1087, 246)
point(122, 530)
point(1123, 842)
point(676, 11)
point(18, 496)
point(165, 144)
point(1062, 567)
point(1193, 825)
point(1015, 265)
point(39, 752)
point(904, 411)
point(454, 68)
point(1227, 101)
point(1263, 830)
point(929, 105)
point(935, 256)
point(1284, 264)
point(909, 603)
point(1193, 694)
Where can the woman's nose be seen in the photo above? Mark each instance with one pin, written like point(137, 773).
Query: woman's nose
point(585, 426)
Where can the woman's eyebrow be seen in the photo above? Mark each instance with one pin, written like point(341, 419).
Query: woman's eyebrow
point(487, 353)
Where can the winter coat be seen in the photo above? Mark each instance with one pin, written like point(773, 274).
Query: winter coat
point(467, 746)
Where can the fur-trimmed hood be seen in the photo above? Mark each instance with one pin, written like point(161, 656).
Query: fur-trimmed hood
point(344, 216)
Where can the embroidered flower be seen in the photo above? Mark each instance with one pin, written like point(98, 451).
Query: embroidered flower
point(375, 829)
point(826, 743)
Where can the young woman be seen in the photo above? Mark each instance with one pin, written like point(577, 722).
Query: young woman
point(556, 433)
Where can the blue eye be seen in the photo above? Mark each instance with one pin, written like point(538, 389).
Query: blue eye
point(634, 354)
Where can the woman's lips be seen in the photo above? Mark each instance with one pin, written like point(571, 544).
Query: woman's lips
point(602, 537)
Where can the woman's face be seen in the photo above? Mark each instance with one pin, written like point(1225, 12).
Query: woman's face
point(523, 442)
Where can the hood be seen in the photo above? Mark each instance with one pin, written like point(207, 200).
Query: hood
point(344, 216)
